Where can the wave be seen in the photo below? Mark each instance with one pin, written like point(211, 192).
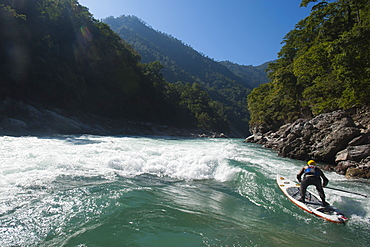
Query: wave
point(71, 187)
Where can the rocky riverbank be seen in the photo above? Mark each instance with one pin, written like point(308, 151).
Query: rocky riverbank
point(17, 118)
point(340, 139)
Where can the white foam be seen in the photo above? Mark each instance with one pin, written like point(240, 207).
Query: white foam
point(30, 161)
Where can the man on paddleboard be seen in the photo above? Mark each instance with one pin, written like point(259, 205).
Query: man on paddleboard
point(312, 176)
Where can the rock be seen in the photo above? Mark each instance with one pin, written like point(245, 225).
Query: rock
point(340, 138)
point(60, 123)
point(320, 138)
point(327, 168)
point(361, 116)
point(249, 139)
point(297, 129)
point(331, 133)
point(28, 113)
point(259, 129)
point(354, 172)
point(360, 140)
point(222, 135)
point(307, 132)
point(258, 138)
point(342, 166)
point(331, 119)
point(17, 118)
point(342, 155)
point(15, 125)
point(355, 153)
point(294, 150)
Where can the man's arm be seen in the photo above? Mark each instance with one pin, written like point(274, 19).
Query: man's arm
point(325, 180)
point(299, 175)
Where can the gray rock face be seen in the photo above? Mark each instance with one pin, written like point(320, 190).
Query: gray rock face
point(60, 123)
point(340, 138)
point(354, 153)
point(18, 118)
point(13, 124)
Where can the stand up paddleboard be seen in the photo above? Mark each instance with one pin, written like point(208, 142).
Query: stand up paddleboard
point(312, 204)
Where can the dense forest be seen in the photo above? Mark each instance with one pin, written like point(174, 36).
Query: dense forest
point(55, 54)
point(227, 84)
point(323, 66)
point(252, 75)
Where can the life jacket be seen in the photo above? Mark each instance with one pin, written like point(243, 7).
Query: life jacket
point(312, 171)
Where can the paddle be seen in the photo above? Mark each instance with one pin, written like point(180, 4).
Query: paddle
point(345, 191)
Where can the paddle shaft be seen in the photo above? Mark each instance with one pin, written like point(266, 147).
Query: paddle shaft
point(345, 191)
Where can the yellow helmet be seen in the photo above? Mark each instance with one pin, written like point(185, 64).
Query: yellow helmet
point(311, 163)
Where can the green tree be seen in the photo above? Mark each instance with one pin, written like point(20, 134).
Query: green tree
point(323, 66)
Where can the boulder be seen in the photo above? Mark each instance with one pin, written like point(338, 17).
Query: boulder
point(307, 132)
point(333, 142)
point(361, 116)
point(342, 166)
point(258, 138)
point(249, 139)
point(60, 123)
point(355, 153)
point(360, 140)
point(321, 137)
point(297, 128)
point(14, 125)
point(332, 120)
point(295, 150)
point(342, 155)
point(340, 138)
point(28, 113)
point(355, 172)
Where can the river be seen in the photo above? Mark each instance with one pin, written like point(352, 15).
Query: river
point(162, 191)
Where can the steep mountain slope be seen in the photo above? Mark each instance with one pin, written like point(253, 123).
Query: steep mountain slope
point(183, 64)
point(253, 75)
point(55, 54)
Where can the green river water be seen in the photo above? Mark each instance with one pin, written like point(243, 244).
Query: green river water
point(162, 191)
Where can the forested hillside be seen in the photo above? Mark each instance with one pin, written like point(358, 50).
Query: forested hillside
point(323, 66)
point(252, 75)
point(182, 64)
point(55, 54)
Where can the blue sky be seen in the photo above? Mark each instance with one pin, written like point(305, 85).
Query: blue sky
point(247, 32)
